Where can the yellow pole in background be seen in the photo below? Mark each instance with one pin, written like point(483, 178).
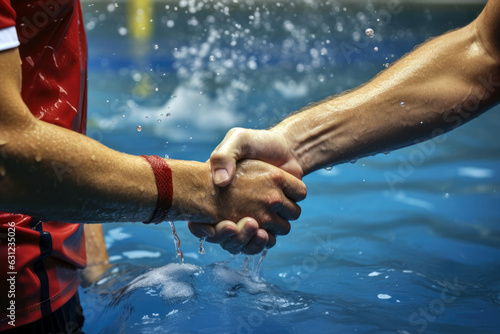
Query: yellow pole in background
point(140, 25)
point(141, 28)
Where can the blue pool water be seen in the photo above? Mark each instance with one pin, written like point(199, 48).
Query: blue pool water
point(402, 243)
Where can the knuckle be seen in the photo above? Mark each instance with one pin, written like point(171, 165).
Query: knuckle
point(278, 176)
point(266, 221)
point(237, 133)
point(217, 156)
point(275, 199)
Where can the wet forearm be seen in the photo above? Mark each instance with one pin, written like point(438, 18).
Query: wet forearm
point(53, 173)
point(439, 86)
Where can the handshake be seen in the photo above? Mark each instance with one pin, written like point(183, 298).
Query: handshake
point(245, 195)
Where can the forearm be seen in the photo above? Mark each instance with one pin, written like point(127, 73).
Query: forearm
point(57, 174)
point(439, 86)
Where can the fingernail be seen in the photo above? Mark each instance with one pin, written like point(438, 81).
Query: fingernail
point(220, 175)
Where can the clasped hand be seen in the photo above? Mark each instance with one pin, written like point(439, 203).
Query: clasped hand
point(276, 190)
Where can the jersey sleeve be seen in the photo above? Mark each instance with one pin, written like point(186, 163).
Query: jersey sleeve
point(8, 34)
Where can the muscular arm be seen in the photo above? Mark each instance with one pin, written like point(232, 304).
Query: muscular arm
point(439, 86)
point(57, 174)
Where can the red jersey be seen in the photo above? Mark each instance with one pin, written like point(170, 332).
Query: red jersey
point(39, 260)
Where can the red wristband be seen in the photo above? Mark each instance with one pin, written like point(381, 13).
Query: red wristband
point(163, 176)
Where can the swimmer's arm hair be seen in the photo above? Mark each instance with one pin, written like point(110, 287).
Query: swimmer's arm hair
point(56, 174)
point(439, 86)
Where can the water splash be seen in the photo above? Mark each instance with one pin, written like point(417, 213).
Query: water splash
point(177, 243)
point(201, 250)
point(262, 257)
point(370, 32)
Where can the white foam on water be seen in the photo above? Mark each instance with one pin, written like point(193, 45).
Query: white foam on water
point(171, 280)
point(102, 281)
point(139, 254)
point(475, 172)
point(291, 89)
point(383, 296)
point(374, 274)
point(192, 255)
point(186, 106)
point(233, 277)
point(115, 234)
point(400, 197)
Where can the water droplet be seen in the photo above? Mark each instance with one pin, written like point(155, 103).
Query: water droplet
point(166, 155)
point(370, 32)
point(329, 168)
point(122, 31)
point(38, 157)
point(447, 195)
point(402, 104)
point(354, 161)
point(256, 272)
point(168, 114)
point(177, 243)
point(375, 49)
point(159, 121)
point(201, 250)
point(111, 7)
point(92, 157)
point(156, 47)
point(139, 128)
point(211, 58)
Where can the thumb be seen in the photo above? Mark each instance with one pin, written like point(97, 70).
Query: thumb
point(223, 159)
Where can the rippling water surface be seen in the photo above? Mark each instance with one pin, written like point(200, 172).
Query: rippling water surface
point(400, 243)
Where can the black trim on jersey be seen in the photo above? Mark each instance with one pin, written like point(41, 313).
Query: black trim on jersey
point(45, 250)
